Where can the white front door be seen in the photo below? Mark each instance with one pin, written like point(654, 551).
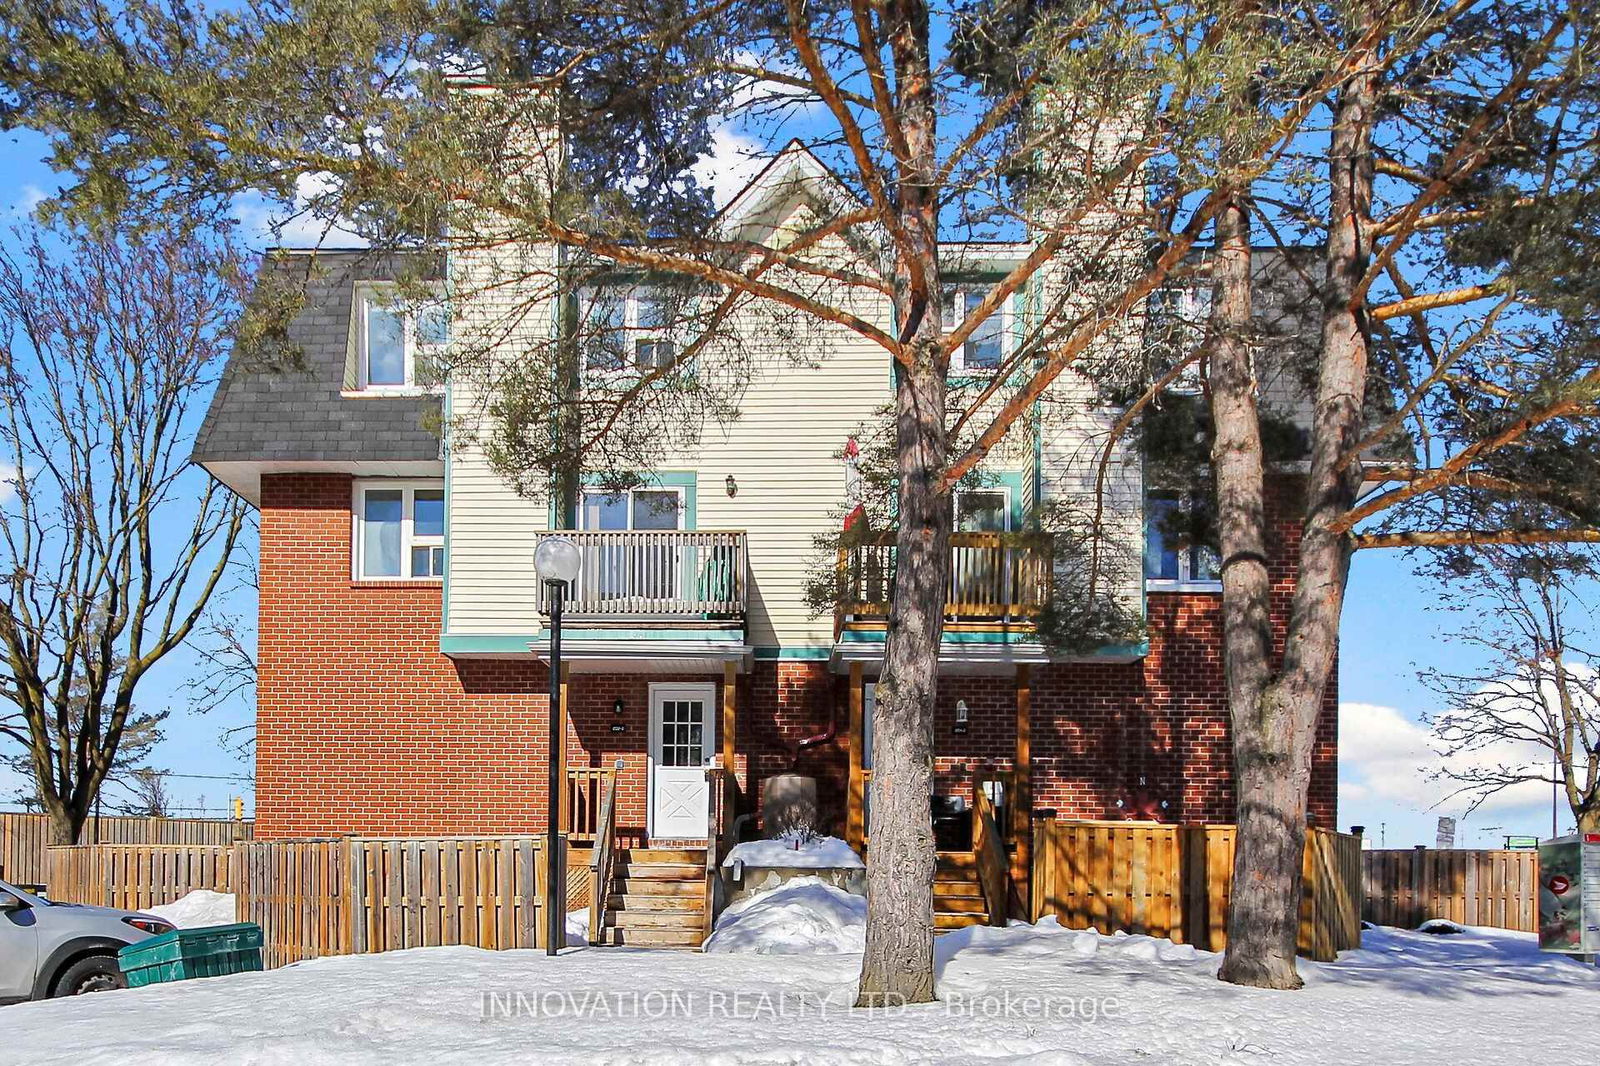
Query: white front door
point(682, 738)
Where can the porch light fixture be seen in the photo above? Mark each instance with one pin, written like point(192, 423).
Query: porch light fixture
point(963, 718)
point(556, 560)
point(731, 485)
point(617, 708)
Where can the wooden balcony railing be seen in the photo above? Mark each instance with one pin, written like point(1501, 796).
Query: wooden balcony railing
point(657, 573)
point(993, 576)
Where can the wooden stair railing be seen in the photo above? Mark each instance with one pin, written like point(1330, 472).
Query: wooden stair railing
point(603, 860)
point(990, 855)
point(719, 802)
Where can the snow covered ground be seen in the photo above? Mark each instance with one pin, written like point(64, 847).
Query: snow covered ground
point(1020, 995)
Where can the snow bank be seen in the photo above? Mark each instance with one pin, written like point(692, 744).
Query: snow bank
point(804, 916)
point(198, 909)
point(822, 852)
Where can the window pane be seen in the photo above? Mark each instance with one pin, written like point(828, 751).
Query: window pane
point(600, 511)
point(655, 510)
point(380, 533)
point(1160, 559)
point(981, 512)
point(433, 325)
point(982, 350)
point(603, 321)
point(1204, 564)
point(648, 355)
point(654, 311)
point(427, 515)
point(421, 562)
point(951, 309)
point(386, 346)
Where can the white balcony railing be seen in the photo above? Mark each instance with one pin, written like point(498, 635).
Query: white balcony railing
point(656, 573)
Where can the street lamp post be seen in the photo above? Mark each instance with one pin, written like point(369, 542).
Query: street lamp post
point(556, 560)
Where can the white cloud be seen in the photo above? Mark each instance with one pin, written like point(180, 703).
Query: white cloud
point(1388, 759)
point(29, 200)
point(271, 223)
point(8, 482)
point(733, 161)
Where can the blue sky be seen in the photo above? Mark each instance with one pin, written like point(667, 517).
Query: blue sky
point(1388, 634)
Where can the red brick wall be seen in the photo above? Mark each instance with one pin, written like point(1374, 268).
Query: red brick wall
point(364, 727)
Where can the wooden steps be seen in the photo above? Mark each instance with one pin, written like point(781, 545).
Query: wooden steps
point(657, 898)
point(957, 895)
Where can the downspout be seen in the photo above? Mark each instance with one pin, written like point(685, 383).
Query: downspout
point(806, 743)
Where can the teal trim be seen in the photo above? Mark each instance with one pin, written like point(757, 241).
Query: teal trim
point(485, 643)
point(1109, 651)
point(773, 654)
point(501, 643)
point(444, 429)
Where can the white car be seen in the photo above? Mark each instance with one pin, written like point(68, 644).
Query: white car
point(64, 949)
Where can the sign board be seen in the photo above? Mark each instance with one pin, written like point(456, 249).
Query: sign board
point(1514, 843)
point(1446, 835)
point(1569, 894)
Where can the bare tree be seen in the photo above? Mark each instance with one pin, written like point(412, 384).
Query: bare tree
point(223, 647)
point(150, 795)
point(1528, 711)
point(110, 545)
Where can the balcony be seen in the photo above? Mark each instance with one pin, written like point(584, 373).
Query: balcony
point(994, 578)
point(657, 575)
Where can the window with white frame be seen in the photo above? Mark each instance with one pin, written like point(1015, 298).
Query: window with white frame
point(399, 530)
point(398, 347)
point(985, 347)
point(1177, 319)
point(634, 566)
point(986, 510)
point(1171, 558)
point(629, 327)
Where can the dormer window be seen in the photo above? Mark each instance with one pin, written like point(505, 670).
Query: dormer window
point(627, 328)
point(985, 347)
point(398, 347)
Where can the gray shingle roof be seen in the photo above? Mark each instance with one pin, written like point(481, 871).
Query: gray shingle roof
point(296, 413)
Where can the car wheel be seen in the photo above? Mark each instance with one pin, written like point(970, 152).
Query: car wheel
point(97, 973)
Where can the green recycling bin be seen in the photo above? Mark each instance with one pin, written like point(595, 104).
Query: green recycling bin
point(186, 953)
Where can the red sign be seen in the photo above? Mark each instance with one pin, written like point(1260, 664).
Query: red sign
point(1559, 884)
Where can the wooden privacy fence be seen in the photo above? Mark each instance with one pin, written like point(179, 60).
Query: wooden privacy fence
point(137, 876)
point(24, 837)
point(1173, 881)
point(355, 895)
point(1494, 888)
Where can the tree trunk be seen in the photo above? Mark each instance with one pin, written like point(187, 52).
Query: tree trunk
point(66, 823)
point(898, 964)
point(1274, 734)
point(1260, 946)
